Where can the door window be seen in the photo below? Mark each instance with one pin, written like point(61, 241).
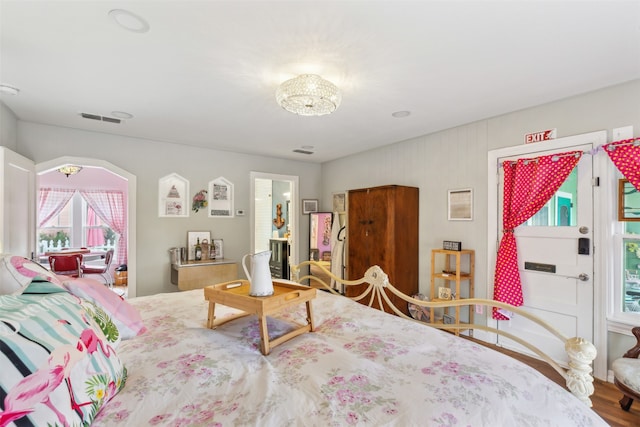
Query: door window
point(561, 209)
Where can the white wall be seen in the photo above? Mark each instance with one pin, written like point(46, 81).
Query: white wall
point(8, 126)
point(457, 158)
point(151, 160)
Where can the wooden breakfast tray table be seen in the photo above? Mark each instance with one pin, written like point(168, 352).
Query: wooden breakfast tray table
point(235, 294)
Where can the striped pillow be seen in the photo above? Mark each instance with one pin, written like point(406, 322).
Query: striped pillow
point(58, 367)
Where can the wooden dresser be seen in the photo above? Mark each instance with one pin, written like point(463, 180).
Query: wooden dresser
point(199, 274)
point(383, 230)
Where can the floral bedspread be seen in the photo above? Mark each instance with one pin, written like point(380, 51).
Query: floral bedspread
point(360, 367)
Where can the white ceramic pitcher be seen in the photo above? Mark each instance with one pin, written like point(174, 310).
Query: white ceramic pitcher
point(260, 277)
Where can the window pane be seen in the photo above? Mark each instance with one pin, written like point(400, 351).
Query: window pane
point(96, 233)
point(56, 233)
point(631, 263)
point(561, 209)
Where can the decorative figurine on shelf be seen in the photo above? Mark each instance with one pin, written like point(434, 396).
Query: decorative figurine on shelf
point(279, 221)
point(199, 200)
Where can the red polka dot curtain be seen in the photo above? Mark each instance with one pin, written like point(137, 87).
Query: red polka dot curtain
point(626, 156)
point(528, 185)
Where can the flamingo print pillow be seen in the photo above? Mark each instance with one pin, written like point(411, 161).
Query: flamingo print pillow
point(17, 272)
point(58, 366)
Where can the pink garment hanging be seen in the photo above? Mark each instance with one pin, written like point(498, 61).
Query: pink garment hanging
point(528, 185)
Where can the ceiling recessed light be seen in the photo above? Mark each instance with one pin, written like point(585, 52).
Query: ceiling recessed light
point(122, 115)
point(400, 114)
point(9, 90)
point(129, 21)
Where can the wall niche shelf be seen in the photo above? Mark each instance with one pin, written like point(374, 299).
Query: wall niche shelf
point(173, 196)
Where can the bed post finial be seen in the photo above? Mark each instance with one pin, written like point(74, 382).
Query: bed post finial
point(579, 379)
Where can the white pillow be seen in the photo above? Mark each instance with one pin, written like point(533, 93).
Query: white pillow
point(17, 272)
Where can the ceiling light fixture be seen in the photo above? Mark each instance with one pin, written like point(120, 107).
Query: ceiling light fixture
point(70, 170)
point(9, 90)
point(309, 95)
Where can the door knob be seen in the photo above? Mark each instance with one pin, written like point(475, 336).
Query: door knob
point(583, 277)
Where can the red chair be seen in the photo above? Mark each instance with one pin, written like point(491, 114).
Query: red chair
point(102, 270)
point(67, 265)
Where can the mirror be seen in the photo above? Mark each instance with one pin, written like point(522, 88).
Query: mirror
point(320, 242)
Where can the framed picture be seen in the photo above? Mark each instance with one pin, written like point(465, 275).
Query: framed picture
point(444, 293)
point(220, 198)
point(447, 319)
point(628, 201)
point(217, 249)
point(192, 239)
point(173, 196)
point(460, 204)
point(309, 205)
point(339, 202)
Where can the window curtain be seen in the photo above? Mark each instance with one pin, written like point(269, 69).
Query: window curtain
point(51, 201)
point(626, 156)
point(110, 208)
point(528, 185)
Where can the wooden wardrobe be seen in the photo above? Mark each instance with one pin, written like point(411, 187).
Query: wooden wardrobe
point(383, 230)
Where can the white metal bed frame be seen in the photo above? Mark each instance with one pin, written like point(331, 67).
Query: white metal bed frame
point(580, 352)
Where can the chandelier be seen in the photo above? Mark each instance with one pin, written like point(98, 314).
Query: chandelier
point(308, 95)
point(70, 170)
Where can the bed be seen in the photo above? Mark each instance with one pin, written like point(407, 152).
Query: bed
point(360, 366)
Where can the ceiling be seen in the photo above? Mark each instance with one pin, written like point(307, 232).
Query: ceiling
point(206, 72)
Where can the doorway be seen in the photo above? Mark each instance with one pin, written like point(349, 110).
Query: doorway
point(264, 211)
point(562, 290)
point(130, 185)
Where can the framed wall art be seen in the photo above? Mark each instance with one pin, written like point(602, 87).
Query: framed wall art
point(309, 205)
point(221, 198)
point(460, 205)
point(339, 202)
point(173, 196)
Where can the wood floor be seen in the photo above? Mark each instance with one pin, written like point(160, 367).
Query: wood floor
point(605, 398)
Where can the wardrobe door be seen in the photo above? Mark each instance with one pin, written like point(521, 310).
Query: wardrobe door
point(358, 237)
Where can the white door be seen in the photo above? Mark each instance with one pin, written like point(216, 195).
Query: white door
point(555, 255)
point(17, 209)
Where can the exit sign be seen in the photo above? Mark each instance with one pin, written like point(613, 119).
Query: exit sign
point(544, 135)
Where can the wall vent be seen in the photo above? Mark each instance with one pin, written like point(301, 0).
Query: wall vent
point(100, 118)
point(298, 150)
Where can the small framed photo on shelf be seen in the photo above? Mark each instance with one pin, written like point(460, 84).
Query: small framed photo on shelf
point(444, 293)
point(309, 206)
point(217, 249)
point(460, 204)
